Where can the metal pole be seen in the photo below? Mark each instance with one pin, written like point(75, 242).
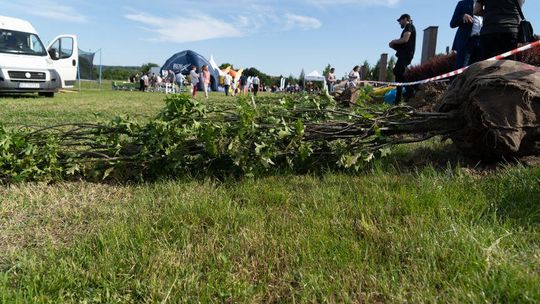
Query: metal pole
point(100, 67)
point(79, 74)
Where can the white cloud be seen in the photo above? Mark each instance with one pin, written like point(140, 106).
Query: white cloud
point(302, 22)
point(60, 13)
point(196, 27)
point(50, 10)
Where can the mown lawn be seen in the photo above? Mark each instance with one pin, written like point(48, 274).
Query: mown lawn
point(83, 106)
point(409, 228)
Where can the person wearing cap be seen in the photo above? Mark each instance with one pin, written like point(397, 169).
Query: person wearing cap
point(405, 47)
point(467, 40)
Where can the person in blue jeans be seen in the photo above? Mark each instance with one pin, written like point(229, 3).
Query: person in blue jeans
point(467, 40)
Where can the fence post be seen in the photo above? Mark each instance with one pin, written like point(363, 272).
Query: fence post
point(430, 43)
point(383, 63)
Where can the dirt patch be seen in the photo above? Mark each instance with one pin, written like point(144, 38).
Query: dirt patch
point(37, 215)
point(427, 96)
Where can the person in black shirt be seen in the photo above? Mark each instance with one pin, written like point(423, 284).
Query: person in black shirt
point(500, 29)
point(405, 47)
point(243, 85)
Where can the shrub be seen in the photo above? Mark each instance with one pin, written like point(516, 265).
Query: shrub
point(531, 57)
point(436, 66)
point(442, 64)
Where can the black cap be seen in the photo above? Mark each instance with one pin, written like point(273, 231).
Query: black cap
point(404, 16)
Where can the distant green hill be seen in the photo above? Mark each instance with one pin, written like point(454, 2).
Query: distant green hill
point(112, 72)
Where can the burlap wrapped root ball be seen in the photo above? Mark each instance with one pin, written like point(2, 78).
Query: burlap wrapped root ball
point(500, 104)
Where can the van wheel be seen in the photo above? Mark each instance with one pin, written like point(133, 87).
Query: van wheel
point(46, 94)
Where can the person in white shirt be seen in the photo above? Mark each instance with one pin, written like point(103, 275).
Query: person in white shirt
point(146, 82)
point(256, 82)
point(467, 39)
point(234, 86)
point(227, 81)
point(354, 76)
point(194, 79)
point(179, 79)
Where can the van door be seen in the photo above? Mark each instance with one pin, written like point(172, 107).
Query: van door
point(64, 51)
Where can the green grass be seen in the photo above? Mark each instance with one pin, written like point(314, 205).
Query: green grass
point(409, 228)
point(87, 105)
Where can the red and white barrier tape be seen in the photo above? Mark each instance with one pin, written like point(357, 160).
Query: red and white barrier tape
point(458, 71)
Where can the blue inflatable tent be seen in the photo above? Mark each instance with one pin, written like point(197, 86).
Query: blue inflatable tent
point(182, 62)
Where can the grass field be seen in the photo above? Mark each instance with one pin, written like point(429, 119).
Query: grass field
point(416, 227)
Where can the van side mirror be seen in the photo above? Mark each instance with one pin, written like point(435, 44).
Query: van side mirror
point(54, 54)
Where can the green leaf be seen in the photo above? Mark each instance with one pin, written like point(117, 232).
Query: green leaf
point(299, 127)
point(369, 157)
point(385, 152)
point(107, 172)
point(259, 147)
point(283, 133)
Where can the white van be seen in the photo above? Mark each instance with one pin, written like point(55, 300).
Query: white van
point(26, 66)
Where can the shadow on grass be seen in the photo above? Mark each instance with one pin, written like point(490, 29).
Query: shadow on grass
point(432, 155)
point(511, 186)
point(20, 96)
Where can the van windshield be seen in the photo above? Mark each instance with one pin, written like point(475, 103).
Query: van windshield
point(15, 42)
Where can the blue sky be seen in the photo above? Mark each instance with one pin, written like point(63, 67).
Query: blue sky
point(276, 36)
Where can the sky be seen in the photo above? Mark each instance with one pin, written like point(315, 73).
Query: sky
point(277, 37)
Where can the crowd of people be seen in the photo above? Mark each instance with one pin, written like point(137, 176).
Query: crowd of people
point(485, 28)
point(199, 78)
point(156, 81)
point(243, 85)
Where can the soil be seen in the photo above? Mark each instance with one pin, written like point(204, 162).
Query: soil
point(427, 96)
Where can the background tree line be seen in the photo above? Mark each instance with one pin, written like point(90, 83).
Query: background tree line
point(370, 72)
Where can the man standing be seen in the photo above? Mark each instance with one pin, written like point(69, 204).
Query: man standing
point(256, 82)
point(467, 39)
point(501, 21)
point(243, 85)
point(227, 83)
point(179, 79)
point(331, 80)
point(405, 47)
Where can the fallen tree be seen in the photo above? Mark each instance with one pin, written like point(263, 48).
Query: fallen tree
point(298, 133)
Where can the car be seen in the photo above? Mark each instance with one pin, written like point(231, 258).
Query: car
point(26, 66)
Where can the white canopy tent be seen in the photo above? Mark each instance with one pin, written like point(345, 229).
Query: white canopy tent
point(215, 66)
point(316, 76)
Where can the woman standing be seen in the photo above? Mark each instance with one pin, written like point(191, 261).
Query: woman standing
point(205, 79)
point(354, 76)
point(500, 29)
point(194, 79)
